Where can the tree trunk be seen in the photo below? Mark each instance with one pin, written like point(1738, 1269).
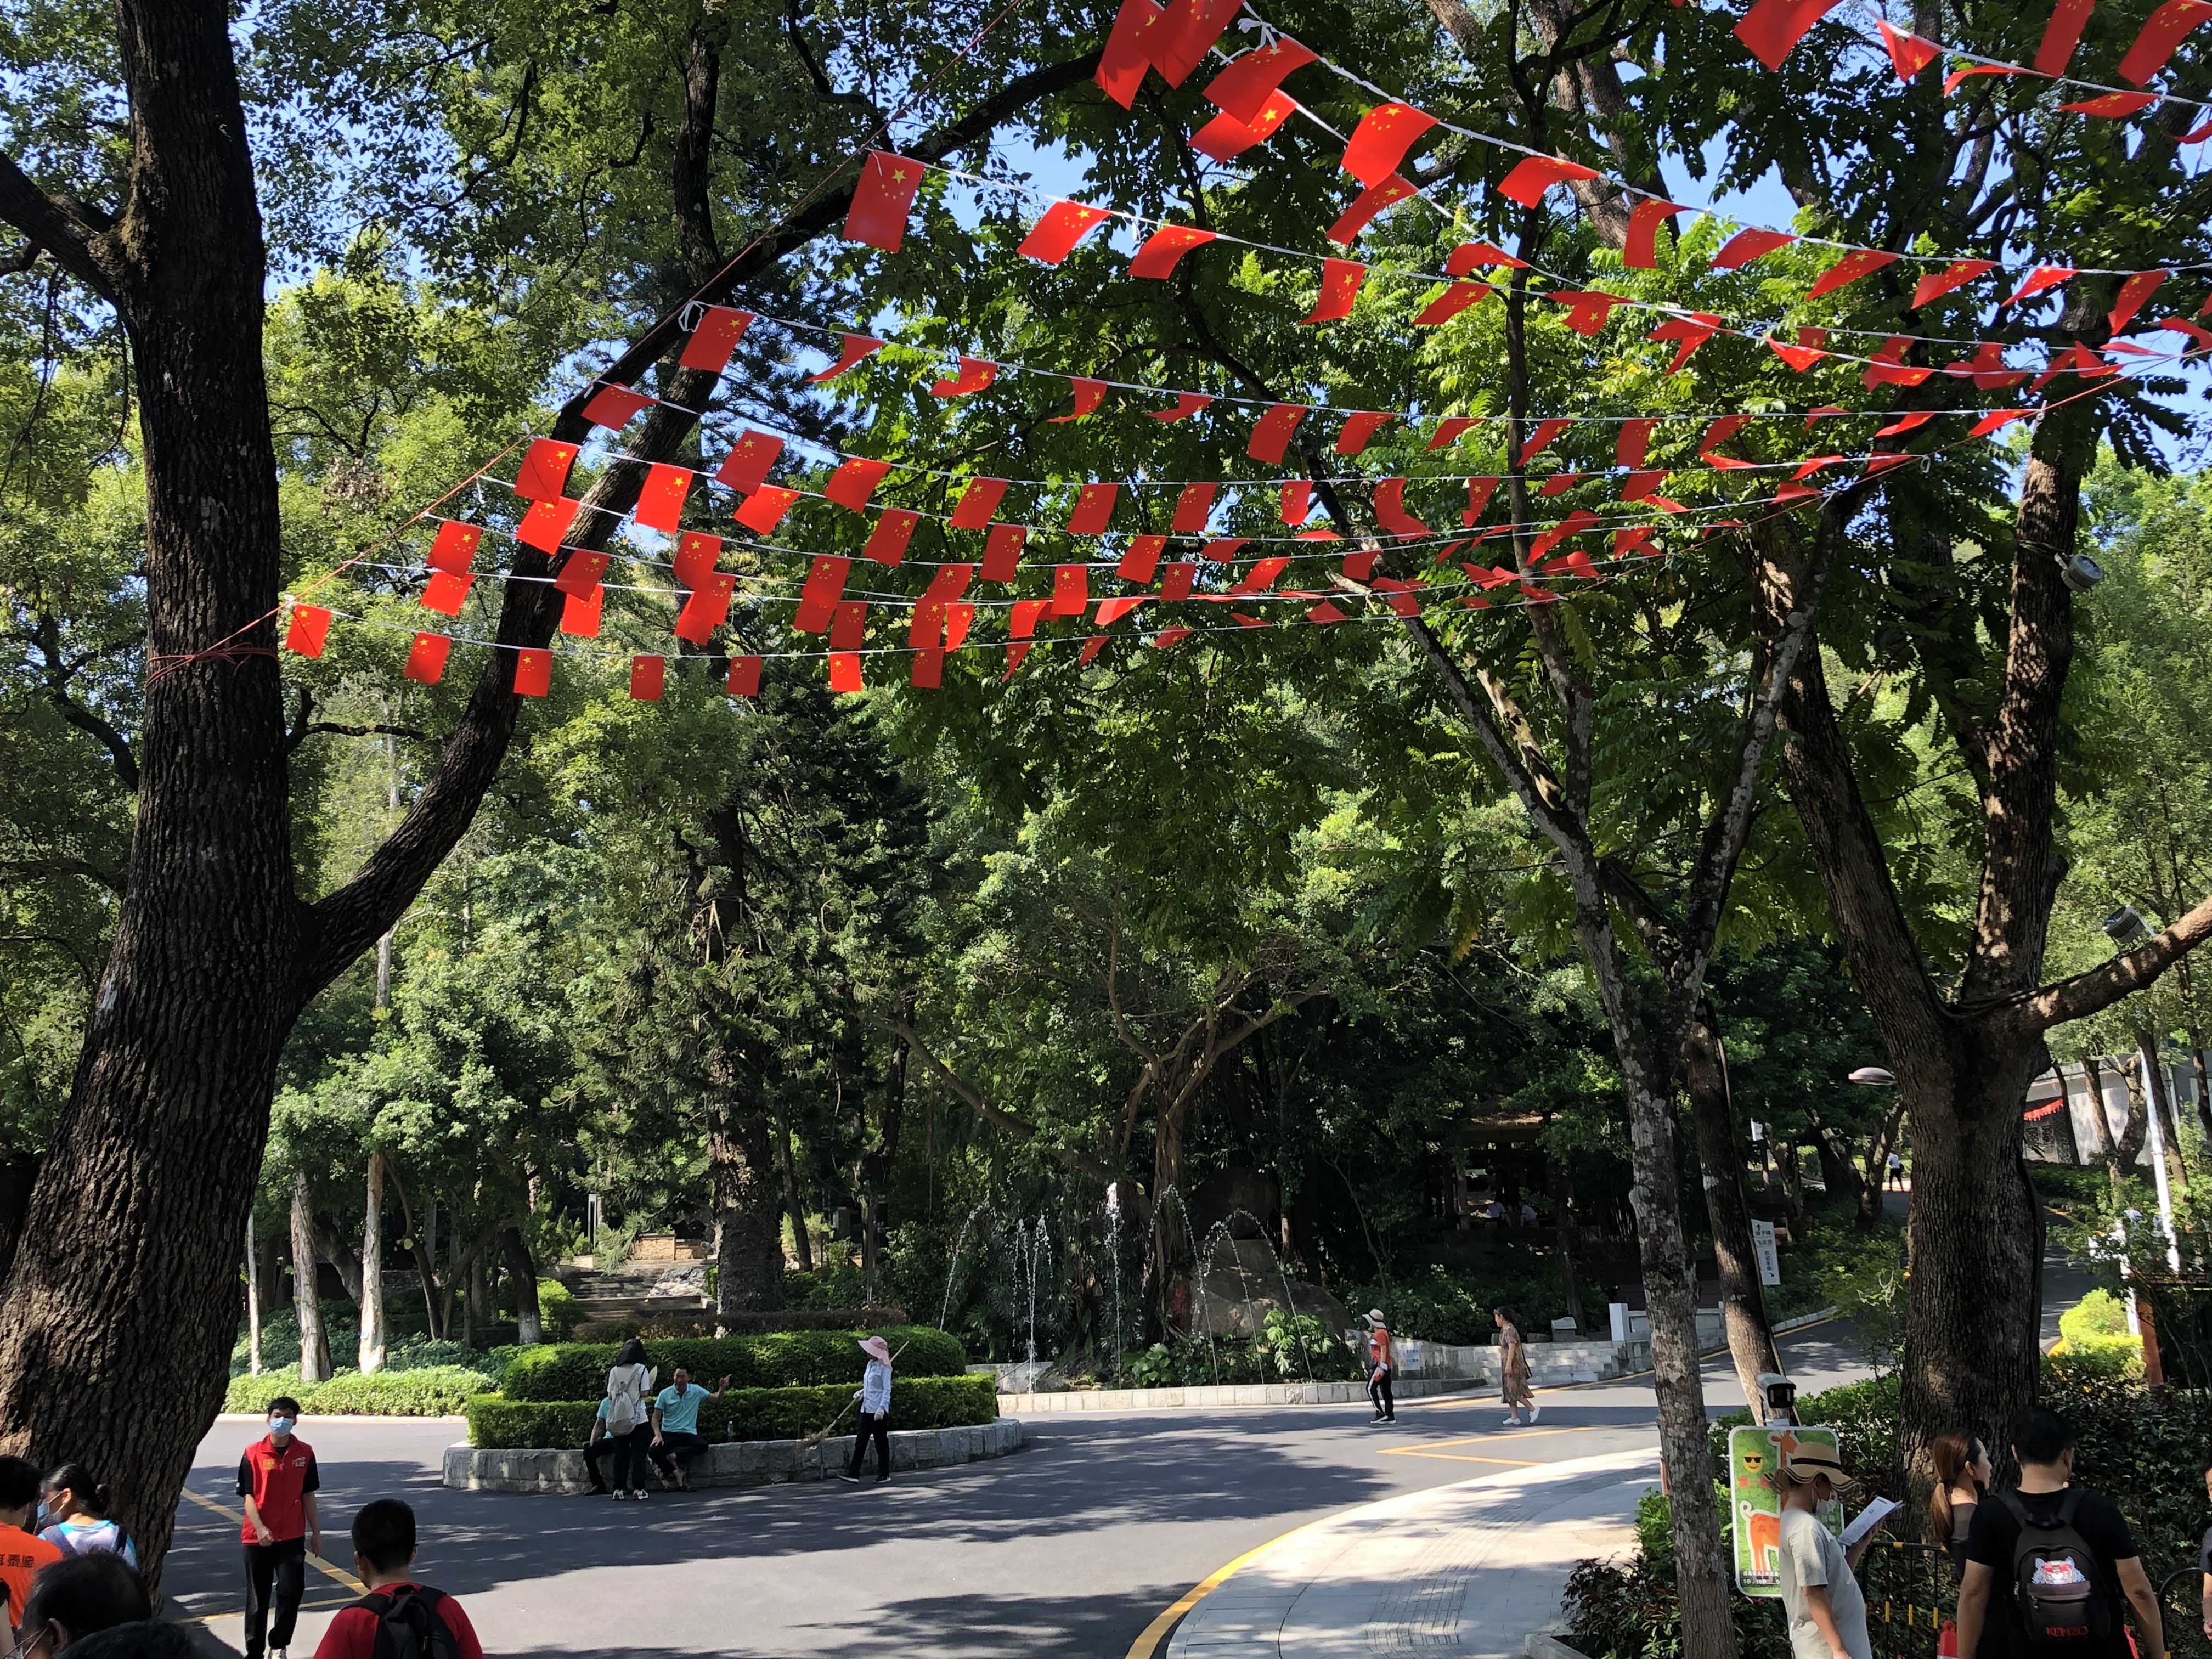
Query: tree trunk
point(802, 1242)
point(2203, 1087)
point(1839, 1174)
point(1793, 1181)
point(1743, 1299)
point(1173, 1247)
point(18, 1175)
point(1877, 1170)
point(2161, 1101)
point(314, 1350)
point(252, 1299)
point(529, 1321)
point(741, 1182)
point(371, 1268)
point(1564, 1232)
point(330, 1245)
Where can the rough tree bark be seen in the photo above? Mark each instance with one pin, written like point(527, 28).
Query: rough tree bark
point(1743, 1299)
point(371, 1351)
point(529, 1319)
point(314, 1349)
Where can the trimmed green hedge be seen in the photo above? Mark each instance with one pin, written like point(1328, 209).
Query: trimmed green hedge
point(773, 1359)
point(920, 1402)
point(430, 1391)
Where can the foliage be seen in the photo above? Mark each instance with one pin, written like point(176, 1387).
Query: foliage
point(782, 1413)
point(1302, 1347)
point(556, 1308)
point(1442, 1305)
point(1860, 1273)
point(425, 1391)
point(774, 1359)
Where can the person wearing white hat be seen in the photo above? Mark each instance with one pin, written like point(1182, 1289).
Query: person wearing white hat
point(1825, 1605)
point(1380, 1364)
point(874, 1395)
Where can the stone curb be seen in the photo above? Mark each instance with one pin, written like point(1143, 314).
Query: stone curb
point(735, 1462)
point(1229, 1394)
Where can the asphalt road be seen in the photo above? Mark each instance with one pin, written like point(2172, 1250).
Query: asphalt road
point(1064, 1551)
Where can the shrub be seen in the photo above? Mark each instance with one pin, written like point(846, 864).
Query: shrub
point(426, 1391)
point(556, 1308)
point(576, 1371)
point(788, 1413)
point(2094, 1340)
point(1444, 1305)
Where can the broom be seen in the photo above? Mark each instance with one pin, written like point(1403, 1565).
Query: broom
point(815, 1439)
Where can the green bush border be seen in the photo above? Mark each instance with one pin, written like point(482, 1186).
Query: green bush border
point(789, 1414)
point(430, 1391)
point(771, 1359)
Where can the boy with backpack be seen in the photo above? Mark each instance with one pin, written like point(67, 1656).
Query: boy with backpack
point(398, 1619)
point(2053, 1565)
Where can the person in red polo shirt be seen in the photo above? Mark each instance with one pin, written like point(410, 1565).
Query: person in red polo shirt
point(383, 1556)
point(277, 1478)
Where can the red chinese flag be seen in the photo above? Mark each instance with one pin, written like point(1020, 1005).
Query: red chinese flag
point(426, 659)
point(1535, 174)
point(2167, 26)
point(579, 574)
point(309, 627)
point(1390, 509)
point(2062, 34)
point(1324, 612)
point(1806, 469)
point(1689, 332)
point(887, 541)
point(1996, 421)
point(1087, 396)
point(1474, 256)
point(1175, 584)
point(1053, 237)
point(1112, 610)
point(1637, 540)
point(1271, 433)
point(764, 508)
point(1369, 203)
point(1478, 492)
point(1360, 566)
point(745, 469)
point(446, 590)
point(1448, 430)
point(1559, 483)
point(854, 482)
point(1381, 140)
point(1339, 286)
point(660, 502)
point(950, 582)
point(2113, 106)
point(848, 625)
point(1168, 638)
point(818, 595)
point(1986, 368)
point(705, 609)
point(1573, 525)
point(455, 548)
point(1094, 507)
point(2133, 293)
point(1908, 54)
point(544, 470)
point(1952, 82)
point(1225, 137)
point(1863, 262)
point(1359, 428)
point(1886, 366)
point(533, 672)
point(1070, 589)
point(715, 338)
point(1957, 274)
point(611, 406)
point(975, 373)
point(1449, 303)
point(544, 525)
point(1641, 250)
point(1188, 33)
point(1165, 247)
point(1806, 353)
point(744, 676)
point(1745, 246)
point(1186, 403)
point(1638, 485)
point(1719, 433)
point(928, 671)
point(1142, 559)
point(1244, 90)
point(1904, 423)
point(1194, 506)
point(1263, 575)
point(845, 671)
point(1540, 439)
point(978, 501)
point(1634, 441)
point(647, 676)
point(1587, 308)
point(696, 554)
point(881, 200)
point(1772, 28)
point(857, 347)
point(581, 618)
point(2042, 280)
point(1297, 502)
point(1129, 50)
point(1002, 551)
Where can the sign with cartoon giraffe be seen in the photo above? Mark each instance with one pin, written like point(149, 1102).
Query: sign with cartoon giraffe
point(1755, 1500)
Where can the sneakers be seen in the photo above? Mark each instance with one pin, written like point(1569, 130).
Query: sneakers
point(853, 1479)
point(618, 1494)
point(1535, 1412)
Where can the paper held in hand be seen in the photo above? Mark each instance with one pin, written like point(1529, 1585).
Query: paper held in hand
point(1867, 1520)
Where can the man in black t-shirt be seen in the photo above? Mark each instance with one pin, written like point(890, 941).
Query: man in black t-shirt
point(2043, 1448)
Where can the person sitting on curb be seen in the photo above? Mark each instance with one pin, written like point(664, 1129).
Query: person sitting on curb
point(676, 1437)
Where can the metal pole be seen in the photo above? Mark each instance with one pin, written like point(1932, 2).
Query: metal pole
point(2158, 1159)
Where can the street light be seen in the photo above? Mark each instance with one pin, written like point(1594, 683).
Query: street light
point(1874, 1075)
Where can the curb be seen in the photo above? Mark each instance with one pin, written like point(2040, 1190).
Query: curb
point(336, 1416)
point(1800, 1321)
point(732, 1462)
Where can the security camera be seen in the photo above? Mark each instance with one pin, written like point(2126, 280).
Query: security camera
point(2080, 573)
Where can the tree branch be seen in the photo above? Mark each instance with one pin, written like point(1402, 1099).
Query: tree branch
point(1080, 1162)
point(2086, 993)
point(72, 232)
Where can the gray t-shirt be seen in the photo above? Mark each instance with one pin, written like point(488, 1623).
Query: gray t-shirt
point(1812, 1555)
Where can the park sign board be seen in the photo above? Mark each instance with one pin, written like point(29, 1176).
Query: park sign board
point(1755, 1500)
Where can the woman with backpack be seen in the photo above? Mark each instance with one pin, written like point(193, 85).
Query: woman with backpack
point(76, 1508)
point(629, 1424)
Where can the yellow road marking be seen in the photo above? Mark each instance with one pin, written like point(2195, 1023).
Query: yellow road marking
point(1490, 1439)
point(305, 1607)
point(1466, 1457)
point(1147, 1644)
point(314, 1560)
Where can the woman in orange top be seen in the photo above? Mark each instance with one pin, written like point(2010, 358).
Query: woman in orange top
point(1381, 1362)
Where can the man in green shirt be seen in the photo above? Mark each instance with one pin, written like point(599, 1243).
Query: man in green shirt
point(676, 1437)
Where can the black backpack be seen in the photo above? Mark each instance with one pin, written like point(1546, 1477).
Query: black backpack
point(2058, 1581)
point(408, 1626)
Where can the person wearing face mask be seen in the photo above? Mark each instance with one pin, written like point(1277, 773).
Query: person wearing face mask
point(23, 1552)
point(277, 1478)
point(78, 1595)
point(76, 1518)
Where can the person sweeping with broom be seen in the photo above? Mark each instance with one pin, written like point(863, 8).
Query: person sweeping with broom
point(874, 1395)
